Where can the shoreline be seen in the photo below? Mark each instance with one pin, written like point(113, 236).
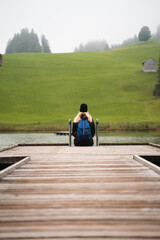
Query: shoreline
point(103, 127)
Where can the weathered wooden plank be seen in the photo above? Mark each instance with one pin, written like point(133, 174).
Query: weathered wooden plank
point(80, 197)
point(81, 160)
point(84, 173)
point(142, 185)
point(84, 169)
point(82, 166)
point(82, 228)
point(64, 203)
point(147, 163)
point(72, 238)
point(87, 224)
point(8, 148)
point(11, 168)
point(78, 214)
point(42, 188)
point(80, 179)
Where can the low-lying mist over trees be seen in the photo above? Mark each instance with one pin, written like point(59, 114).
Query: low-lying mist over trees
point(93, 46)
point(102, 45)
point(125, 42)
point(26, 41)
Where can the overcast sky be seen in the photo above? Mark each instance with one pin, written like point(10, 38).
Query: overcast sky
point(67, 23)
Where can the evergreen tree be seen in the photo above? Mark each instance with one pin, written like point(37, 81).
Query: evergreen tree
point(9, 46)
point(34, 42)
point(45, 45)
point(156, 91)
point(144, 34)
point(24, 41)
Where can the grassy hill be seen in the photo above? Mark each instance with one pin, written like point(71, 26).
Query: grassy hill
point(49, 88)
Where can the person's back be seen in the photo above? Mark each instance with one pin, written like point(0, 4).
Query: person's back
point(83, 127)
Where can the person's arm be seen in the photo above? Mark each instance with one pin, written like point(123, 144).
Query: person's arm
point(75, 124)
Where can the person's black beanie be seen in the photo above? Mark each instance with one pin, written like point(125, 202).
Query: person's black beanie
point(83, 107)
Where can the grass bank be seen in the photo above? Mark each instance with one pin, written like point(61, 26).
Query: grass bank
point(103, 127)
point(42, 91)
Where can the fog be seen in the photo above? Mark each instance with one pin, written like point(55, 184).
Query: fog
point(69, 23)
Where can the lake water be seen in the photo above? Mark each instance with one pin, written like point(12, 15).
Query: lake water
point(9, 139)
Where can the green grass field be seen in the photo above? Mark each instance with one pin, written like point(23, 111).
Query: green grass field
point(49, 88)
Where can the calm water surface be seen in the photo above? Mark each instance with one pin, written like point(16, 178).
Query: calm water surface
point(8, 139)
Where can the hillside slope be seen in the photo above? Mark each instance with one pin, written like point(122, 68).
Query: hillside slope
point(51, 87)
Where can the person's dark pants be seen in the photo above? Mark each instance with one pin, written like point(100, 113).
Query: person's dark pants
point(83, 143)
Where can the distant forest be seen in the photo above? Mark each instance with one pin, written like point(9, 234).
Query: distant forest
point(103, 45)
point(26, 41)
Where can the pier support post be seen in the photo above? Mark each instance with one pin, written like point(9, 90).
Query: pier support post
point(70, 140)
point(97, 142)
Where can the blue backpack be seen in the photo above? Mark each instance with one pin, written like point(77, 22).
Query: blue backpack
point(84, 130)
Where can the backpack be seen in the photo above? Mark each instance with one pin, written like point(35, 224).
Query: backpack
point(84, 130)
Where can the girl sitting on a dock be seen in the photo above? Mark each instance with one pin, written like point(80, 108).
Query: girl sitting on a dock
point(83, 127)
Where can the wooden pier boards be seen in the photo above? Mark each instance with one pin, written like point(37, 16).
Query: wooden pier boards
point(80, 193)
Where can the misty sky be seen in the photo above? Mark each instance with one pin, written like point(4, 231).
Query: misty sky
point(67, 23)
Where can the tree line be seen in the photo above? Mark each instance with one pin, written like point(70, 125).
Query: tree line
point(27, 41)
point(144, 35)
point(93, 46)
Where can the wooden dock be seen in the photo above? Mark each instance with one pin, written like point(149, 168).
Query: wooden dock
point(76, 193)
point(61, 132)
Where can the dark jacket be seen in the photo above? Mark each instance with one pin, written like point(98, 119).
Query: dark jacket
point(83, 116)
